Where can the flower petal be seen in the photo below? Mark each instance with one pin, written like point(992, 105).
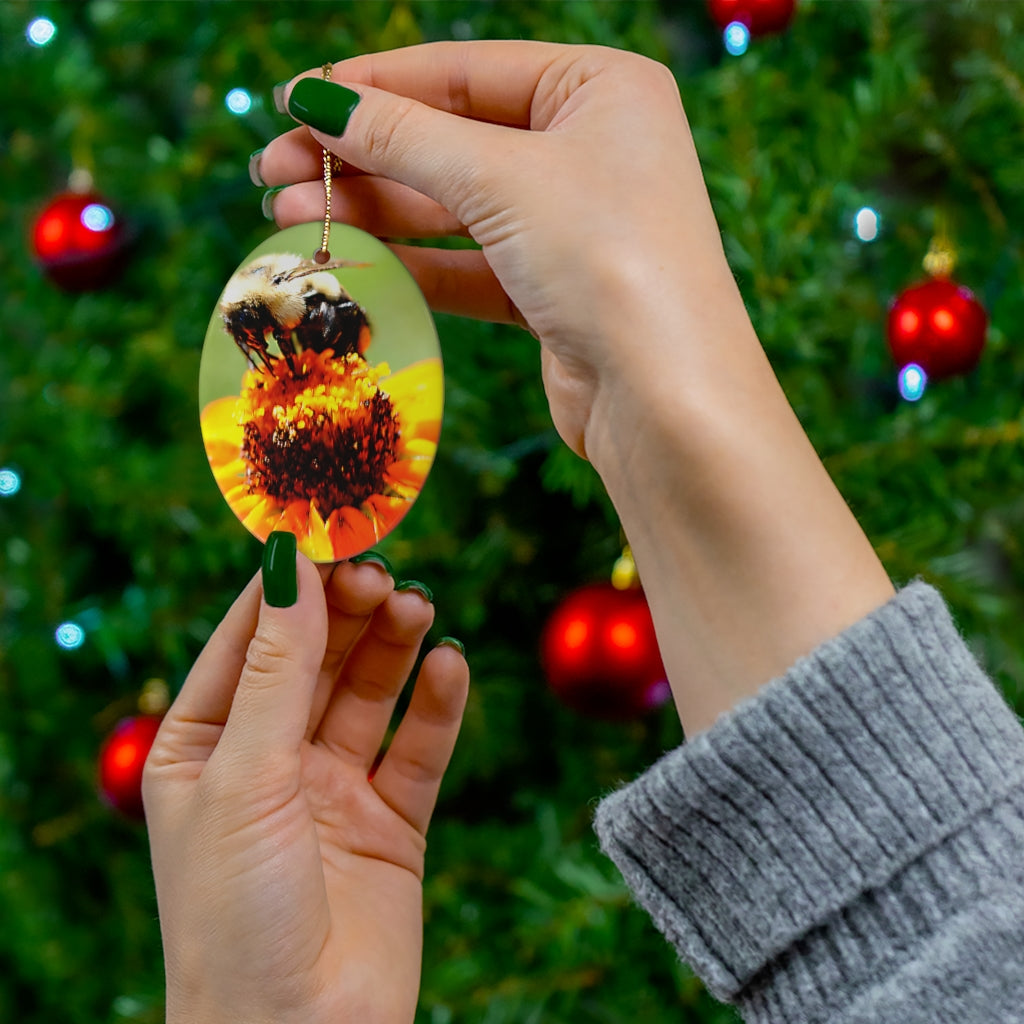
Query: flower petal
point(295, 518)
point(351, 532)
point(418, 395)
point(409, 474)
point(387, 512)
point(317, 543)
point(218, 423)
point(263, 517)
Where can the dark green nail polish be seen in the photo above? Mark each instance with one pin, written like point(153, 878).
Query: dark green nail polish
point(421, 588)
point(450, 641)
point(322, 105)
point(280, 585)
point(254, 169)
point(267, 202)
point(376, 558)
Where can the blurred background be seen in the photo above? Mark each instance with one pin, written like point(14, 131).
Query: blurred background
point(841, 146)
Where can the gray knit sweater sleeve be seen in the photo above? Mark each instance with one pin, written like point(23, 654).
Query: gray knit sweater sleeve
point(848, 846)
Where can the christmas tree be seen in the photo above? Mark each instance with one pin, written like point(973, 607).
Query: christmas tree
point(837, 151)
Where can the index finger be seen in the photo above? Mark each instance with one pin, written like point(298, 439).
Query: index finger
point(487, 80)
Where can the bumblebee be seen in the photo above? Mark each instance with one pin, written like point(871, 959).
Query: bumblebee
point(296, 302)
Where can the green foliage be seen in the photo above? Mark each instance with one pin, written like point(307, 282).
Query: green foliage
point(913, 108)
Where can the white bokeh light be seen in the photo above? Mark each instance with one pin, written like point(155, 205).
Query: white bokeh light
point(40, 31)
point(867, 224)
point(69, 635)
point(10, 483)
point(238, 101)
point(97, 217)
point(736, 38)
point(912, 382)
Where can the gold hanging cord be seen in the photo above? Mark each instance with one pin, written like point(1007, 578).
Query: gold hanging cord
point(323, 255)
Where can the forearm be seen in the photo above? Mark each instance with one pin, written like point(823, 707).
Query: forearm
point(747, 552)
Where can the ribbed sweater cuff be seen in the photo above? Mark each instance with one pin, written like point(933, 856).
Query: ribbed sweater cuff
point(823, 827)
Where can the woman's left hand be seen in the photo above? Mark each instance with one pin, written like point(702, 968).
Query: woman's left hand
point(288, 872)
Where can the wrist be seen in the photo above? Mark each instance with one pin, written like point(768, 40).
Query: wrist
point(748, 554)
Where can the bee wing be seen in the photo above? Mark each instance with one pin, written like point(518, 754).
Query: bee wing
point(307, 268)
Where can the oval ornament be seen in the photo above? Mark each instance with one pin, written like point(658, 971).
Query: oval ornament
point(321, 391)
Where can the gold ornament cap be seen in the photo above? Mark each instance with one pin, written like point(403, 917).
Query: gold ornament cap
point(155, 697)
point(940, 260)
point(624, 574)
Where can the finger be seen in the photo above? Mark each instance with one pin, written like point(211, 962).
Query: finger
point(488, 80)
point(291, 157)
point(357, 717)
point(409, 777)
point(273, 699)
point(436, 153)
point(354, 591)
point(193, 723)
point(459, 281)
point(381, 207)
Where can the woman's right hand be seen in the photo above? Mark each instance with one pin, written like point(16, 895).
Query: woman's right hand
point(573, 168)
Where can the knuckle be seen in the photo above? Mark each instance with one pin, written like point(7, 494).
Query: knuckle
point(460, 99)
point(386, 133)
point(645, 72)
point(264, 661)
point(661, 74)
point(418, 768)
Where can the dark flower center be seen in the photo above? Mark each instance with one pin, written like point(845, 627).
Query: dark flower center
point(323, 432)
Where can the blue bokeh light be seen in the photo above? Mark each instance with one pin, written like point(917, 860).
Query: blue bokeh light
point(238, 101)
point(40, 31)
point(867, 224)
point(97, 217)
point(736, 38)
point(10, 482)
point(69, 635)
point(912, 382)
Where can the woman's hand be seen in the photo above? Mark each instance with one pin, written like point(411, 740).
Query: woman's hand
point(572, 167)
point(575, 170)
point(288, 880)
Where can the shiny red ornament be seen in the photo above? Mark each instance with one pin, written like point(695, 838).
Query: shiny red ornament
point(79, 241)
point(939, 325)
point(122, 759)
point(600, 654)
point(761, 17)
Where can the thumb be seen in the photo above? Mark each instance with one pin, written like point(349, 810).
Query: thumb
point(271, 707)
point(439, 154)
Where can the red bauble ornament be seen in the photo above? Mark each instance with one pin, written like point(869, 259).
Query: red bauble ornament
point(760, 16)
point(939, 325)
point(79, 241)
point(600, 653)
point(121, 761)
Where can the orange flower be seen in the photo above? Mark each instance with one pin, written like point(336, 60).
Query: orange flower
point(331, 449)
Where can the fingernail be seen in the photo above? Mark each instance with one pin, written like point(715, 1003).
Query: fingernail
point(450, 641)
point(267, 202)
point(254, 169)
point(322, 105)
point(421, 588)
point(280, 585)
point(279, 97)
point(376, 558)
